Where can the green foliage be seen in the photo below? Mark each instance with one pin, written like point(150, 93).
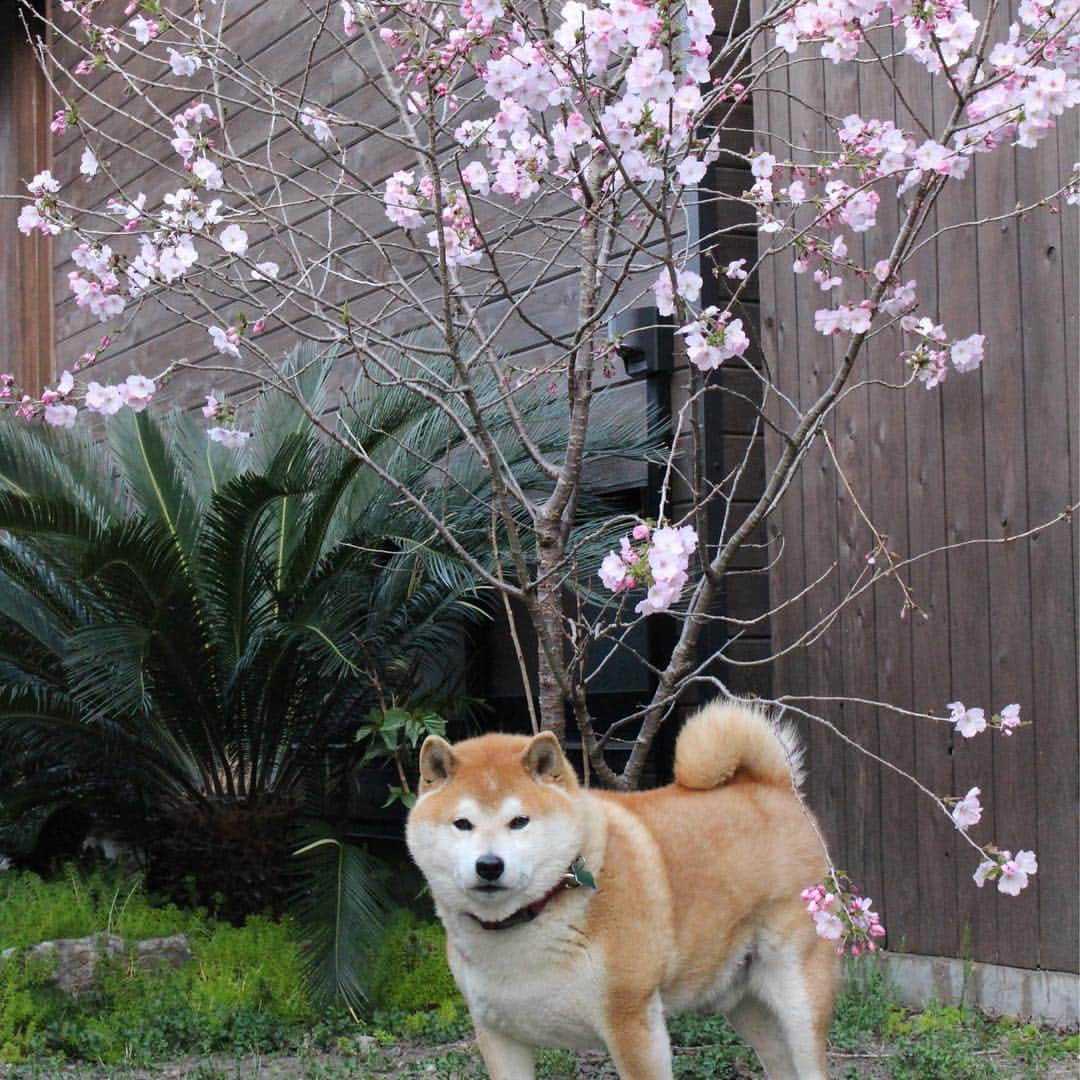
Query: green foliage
point(864, 1007)
point(395, 734)
point(945, 1040)
point(1037, 1047)
point(412, 989)
point(409, 970)
point(77, 904)
point(719, 1051)
point(555, 1064)
point(191, 636)
point(243, 992)
point(18, 1011)
point(342, 910)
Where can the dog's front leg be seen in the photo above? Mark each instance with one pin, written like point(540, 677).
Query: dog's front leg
point(505, 1059)
point(638, 1039)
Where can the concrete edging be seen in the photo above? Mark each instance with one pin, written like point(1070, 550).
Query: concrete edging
point(1050, 997)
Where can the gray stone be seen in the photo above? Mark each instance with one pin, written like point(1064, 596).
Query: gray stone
point(74, 961)
point(173, 951)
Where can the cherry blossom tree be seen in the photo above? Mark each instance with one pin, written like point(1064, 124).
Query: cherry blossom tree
point(438, 165)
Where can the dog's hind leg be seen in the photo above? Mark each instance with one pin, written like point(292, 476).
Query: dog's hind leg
point(759, 1026)
point(638, 1039)
point(505, 1059)
point(797, 992)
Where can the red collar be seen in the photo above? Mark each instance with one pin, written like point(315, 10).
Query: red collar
point(573, 878)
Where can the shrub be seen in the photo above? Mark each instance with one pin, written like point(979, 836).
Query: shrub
point(244, 990)
point(412, 989)
point(77, 904)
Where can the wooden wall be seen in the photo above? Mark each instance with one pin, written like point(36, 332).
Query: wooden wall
point(25, 262)
point(986, 455)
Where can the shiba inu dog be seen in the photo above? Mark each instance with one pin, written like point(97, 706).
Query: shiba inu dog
point(577, 918)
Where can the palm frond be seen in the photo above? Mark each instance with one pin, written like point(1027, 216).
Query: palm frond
point(342, 908)
point(38, 460)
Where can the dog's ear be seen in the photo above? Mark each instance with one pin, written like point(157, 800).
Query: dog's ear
point(437, 762)
point(545, 761)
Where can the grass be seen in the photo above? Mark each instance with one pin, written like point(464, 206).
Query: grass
point(243, 992)
point(241, 1010)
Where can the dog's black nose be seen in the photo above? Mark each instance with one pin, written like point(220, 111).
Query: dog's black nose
point(489, 867)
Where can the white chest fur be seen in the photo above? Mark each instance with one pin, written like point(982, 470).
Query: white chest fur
point(538, 983)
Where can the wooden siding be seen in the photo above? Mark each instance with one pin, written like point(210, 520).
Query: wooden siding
point(986, 455)
point(26, 309)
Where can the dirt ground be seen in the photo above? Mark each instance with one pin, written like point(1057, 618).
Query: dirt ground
point(453, 1061)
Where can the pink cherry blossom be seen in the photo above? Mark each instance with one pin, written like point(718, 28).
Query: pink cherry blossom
point(968, 810)
point(137, 390)
point(183, 66)
point(62, 416)
point(88, 163)
point(265, 271)
point(208, 173)
point(762, 165)
point(476, 176)
point(106, 400)
point(234, 239)
point(969, 722)
point(691, 171)
point(225, 341)
point(43, 184)
point(229, 437)
point(315, 121)
point(1009, 719)
point(967, 355)
point(613, 572)
point(144, 29)
point(1015, 872)
point(402, 201)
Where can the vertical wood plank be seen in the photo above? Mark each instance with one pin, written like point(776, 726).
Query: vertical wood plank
point(930, 641)
point(1010, 805)
point(1053, 602)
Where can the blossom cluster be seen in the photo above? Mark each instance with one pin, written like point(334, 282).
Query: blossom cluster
point(656, 559)
point(1030, 81)
point(225, 430)
point(713, 338)
point(931, 356)
point(1011, 872)
point(970, 722)
point(840, 914)
point(58, 408)
point(42, 215)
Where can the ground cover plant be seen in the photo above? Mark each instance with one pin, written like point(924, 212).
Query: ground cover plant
point(242, 1009)
point(244, 990)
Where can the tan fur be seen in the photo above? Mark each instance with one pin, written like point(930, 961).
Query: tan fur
point(727, 736)
point(697, 908)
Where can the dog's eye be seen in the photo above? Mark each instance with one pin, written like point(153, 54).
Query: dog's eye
point(464, 824)
point(519, 822)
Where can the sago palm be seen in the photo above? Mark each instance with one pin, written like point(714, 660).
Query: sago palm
point(190, 637)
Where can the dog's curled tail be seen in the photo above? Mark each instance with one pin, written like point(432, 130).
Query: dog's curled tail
point(730, 735)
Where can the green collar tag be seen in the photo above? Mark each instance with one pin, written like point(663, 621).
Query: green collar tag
point(579, 875)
